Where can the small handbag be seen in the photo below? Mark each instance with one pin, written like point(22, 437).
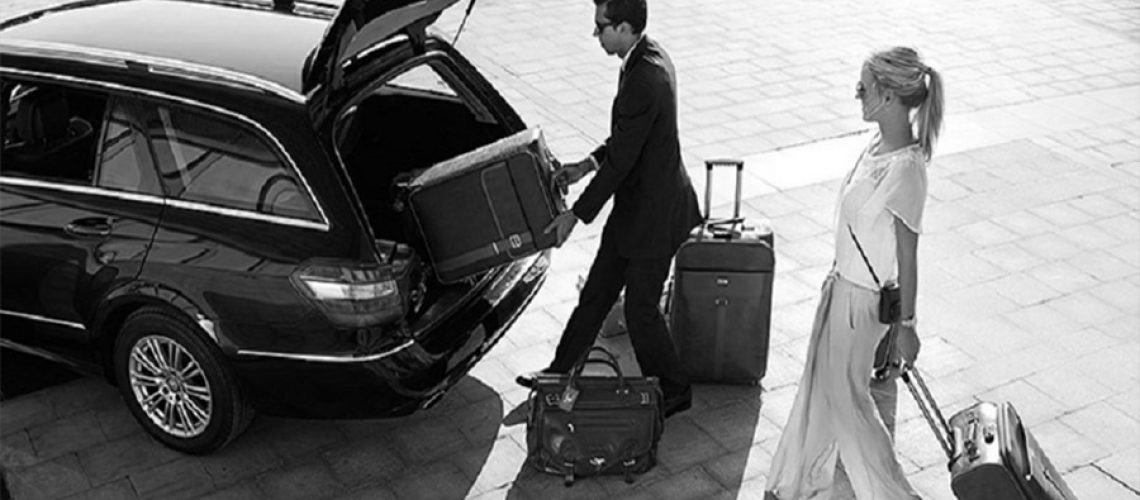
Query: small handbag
point(890, 297)
point(582, 425)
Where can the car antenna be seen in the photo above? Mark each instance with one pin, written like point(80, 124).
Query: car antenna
point(463, 23)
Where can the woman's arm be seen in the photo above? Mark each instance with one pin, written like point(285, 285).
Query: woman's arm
point(906, 248)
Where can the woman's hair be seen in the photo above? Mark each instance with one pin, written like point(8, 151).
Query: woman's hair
point(901, 70)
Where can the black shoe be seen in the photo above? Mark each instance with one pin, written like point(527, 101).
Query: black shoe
point(530, 379)
point(678, 404)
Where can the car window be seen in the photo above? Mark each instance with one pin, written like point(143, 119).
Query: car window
point(125, 160)
point(423, 78)
point(50, 131)
point(216, 160)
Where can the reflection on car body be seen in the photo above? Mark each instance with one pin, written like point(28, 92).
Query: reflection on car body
point(206, 216)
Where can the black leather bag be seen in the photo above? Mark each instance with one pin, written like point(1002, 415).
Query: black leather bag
point(585, 425)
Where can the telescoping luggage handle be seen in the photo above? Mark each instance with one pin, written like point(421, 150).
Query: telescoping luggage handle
point(723, 162)
point(928, 407)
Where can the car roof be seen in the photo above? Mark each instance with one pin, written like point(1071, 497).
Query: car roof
point(239, 36)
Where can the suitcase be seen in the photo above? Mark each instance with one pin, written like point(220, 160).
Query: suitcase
point(584, 425)
point(721, 308)
point(992, 456)
point(486, 207)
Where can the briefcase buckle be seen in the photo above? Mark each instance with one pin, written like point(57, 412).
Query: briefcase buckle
point(598, 462)
point(645, 398)
point(516, 241)
point(553, 399)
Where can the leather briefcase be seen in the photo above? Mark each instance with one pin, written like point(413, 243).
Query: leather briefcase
point(584, 425)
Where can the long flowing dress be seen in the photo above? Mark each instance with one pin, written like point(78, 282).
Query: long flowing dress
point(834, 422)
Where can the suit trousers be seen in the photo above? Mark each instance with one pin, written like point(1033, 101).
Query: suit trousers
point(643, 280)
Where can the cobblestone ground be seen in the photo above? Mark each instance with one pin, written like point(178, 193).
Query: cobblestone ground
point(1030, 264)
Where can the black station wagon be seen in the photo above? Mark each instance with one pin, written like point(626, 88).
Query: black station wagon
point(196, 202)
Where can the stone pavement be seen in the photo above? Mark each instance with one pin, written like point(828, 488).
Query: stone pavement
point(1029, 266)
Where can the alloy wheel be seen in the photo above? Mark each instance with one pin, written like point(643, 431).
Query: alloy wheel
point(170, 386)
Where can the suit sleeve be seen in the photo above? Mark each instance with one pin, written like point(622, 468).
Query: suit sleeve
point(636, 111)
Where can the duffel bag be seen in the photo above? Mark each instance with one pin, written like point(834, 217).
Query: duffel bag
point(585, 425)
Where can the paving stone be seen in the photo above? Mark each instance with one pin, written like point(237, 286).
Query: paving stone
point(737, 467)
point(1050, 247)
point(308, 481)
point(117, 459)
point(182, 478)
point(16, 451)
point(1066, 447)
point(438, 480)
point(1092, 482)
point(23, 412)
point(1102, 265)
point(116, 490)
point(236, 492)
point(240, 460)
point(735, 426)
point(81, 395)
point(71, 433)
point(1070, 386)
point(1023, 222)
point(1009, 257)
point(363, 462)
point(933, 483)
point(986, 233)
point(493, 467)
point(1062, 277)
point(1022, 289)
point(692, 483)
point(56, 478)
point(1105, 425)
point(684, 444)
point(1124, 467)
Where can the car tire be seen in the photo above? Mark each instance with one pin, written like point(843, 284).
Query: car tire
point(176, 383)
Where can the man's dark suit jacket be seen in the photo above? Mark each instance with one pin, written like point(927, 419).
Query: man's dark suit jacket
point(640, 163)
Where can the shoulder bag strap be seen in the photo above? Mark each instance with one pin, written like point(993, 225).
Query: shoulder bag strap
point(868, 262)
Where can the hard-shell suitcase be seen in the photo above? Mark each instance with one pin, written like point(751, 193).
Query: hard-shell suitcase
point(722, 297)
point(992, 456)
point(486, 207)
point(583, 425)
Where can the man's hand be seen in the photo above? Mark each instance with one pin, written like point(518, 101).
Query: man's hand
point(563, 224)
point(571, 173)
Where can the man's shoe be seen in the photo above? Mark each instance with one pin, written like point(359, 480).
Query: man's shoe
point(679, 403)
point(530, 379)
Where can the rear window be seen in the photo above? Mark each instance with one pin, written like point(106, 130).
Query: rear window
point(219, 161)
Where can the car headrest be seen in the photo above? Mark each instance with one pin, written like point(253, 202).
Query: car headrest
point(42, 117)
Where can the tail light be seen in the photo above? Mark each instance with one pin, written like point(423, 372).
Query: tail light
point(352, 295)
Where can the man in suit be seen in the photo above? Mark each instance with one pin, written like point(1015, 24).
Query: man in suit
point(654, 208)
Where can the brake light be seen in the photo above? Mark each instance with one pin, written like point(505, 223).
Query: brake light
point(352, 295)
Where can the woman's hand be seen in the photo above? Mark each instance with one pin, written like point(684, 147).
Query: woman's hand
point(907, 344)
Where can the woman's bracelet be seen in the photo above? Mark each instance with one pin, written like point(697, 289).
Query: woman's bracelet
point(909, 322)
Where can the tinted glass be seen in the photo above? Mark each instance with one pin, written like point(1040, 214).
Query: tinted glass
point(50, 131)
point(215, 160)
point(125, 163)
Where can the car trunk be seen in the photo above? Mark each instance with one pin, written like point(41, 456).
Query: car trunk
point(395, 132)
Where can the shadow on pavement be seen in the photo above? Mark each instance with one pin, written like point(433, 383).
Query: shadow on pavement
point(708, 451)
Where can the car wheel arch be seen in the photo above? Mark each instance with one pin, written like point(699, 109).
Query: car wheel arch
point(120, 303)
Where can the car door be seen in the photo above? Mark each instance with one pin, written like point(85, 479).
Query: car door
point(79, 204)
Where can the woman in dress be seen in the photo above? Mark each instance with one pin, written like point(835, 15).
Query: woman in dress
point(833, 422)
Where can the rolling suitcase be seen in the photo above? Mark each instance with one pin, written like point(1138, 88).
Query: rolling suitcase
point(721, 308)
point(486, 207)
point(992, 456)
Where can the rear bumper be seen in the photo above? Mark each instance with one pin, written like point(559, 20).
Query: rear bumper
point(398, 379)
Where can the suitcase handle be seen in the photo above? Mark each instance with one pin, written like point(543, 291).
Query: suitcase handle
point(927, 406)
point(723, 162)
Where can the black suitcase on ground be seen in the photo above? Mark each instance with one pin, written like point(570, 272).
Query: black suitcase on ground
point(992, 455)
point(487, 207)
point(721, 309)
